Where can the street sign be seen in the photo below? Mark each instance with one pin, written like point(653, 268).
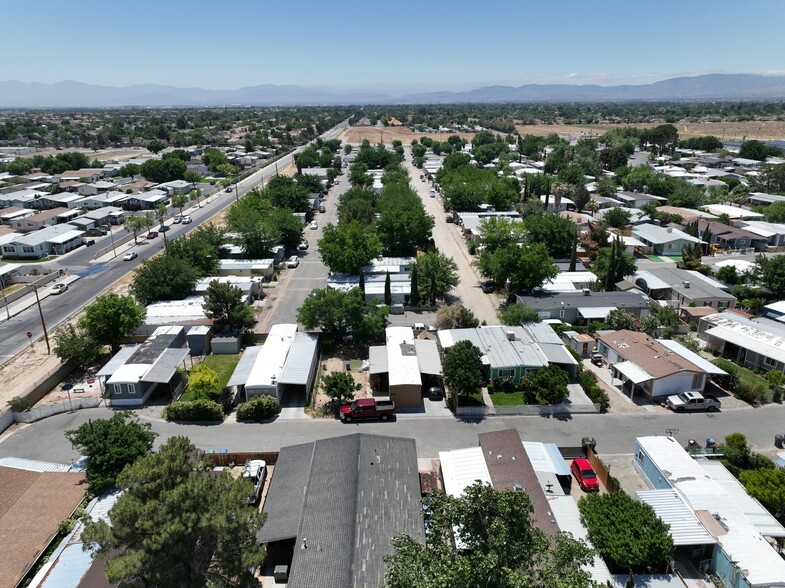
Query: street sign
point(29, 335)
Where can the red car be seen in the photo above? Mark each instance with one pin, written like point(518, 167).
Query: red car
point(584, 473)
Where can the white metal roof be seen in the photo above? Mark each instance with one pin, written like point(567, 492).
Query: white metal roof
point(692, 357)
point(732, 211)
point(461, 468)
point(753, 510)
point(403, 367)
point(595, 312)
point(190, 308)
point(129, 373)
point(658, 235)
point(543, 459)
point(377, 358)
point(634, 372)
point(301, 357)
point(269, 363)
point(750, 338)
point(685, 528)
point(742, 542)
point(568, 517)
point(117, 360)
point(33, 465)
point(428, 357)
point(243, 368)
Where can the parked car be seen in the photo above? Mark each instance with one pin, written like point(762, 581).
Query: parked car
point(489, 286)
point(177, 220)
point(293, 261)
point(228, 189)
point(585, 474)
point(163, 229)
point(255, 470)
point(58, 289)
point(131, 255)
point(367, 408)
point(322, 208)
point(152, 234)
point(435, 393)
point(692, 400)
point(596, 358)
point(303, 245)
point(187, 219)
point(448, 218)
point(314, 225)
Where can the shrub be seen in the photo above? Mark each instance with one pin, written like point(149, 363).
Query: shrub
point(258, 408)
point(193, 410)
point(588, 381)
point(20, 404)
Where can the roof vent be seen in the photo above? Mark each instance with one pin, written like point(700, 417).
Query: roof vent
point(686, 284)
point(586, 292)
point(669, 230)
point(510, 335)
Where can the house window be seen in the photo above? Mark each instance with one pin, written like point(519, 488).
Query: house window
point(561, 313)
point(722, 304)
point(9, 249)
point(508, 373)
point(697, 380)
point(639, 457)
point(28, 249)
point(769, 362)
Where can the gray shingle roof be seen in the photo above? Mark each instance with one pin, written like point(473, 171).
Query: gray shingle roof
point(579, 300)
point(361, 491)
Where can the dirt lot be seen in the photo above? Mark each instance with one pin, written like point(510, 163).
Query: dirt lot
point(119, 154)
point(387, 135)
point(731, 131)
point(338, 364)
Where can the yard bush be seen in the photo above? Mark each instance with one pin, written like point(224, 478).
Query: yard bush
point(194, 410)
point(588, 381)
point(258, 408)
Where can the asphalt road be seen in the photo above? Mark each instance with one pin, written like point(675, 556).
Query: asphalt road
point(615, 433)
point(295, 284)
point(96, 277)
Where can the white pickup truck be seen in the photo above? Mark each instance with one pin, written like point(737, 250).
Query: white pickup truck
point(692, 400)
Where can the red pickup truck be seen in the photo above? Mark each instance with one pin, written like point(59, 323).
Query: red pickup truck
point(367, 408)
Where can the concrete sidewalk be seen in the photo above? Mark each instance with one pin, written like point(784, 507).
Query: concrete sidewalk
point(29, 300)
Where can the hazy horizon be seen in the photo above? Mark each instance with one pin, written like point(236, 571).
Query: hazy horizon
point(398, 48)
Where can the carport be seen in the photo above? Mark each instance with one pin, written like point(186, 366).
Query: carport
point(631, 375)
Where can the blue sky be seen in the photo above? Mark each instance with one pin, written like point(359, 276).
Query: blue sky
point(386, 45)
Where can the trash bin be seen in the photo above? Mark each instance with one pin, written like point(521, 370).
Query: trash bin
point(779, 440)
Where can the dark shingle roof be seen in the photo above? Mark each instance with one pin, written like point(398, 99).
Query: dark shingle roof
point(508, 464)
point(579, 300)
point(358, 492)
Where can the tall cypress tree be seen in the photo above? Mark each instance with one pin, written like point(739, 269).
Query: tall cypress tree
point(574, 254)
point(362, 283)
point(387, 290)
point(414, 298)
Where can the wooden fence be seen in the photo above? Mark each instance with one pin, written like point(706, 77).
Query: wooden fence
point(239, 458)
point(603, 471)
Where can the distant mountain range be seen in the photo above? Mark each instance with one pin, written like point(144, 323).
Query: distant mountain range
point(71, 94)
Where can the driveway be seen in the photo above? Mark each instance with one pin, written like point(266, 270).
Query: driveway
point(451, 243)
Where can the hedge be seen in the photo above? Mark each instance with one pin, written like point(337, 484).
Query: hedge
point(194, 410)
point(258, 408)
point(588, 381)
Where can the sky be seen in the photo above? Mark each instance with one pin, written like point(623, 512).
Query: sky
point(393, 46)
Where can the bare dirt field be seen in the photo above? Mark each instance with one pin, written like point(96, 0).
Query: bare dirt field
point(731, 131)
point(119, 154)
point(337, 364)
point(387, 135)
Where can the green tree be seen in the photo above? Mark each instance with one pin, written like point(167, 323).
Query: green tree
point(515, 315)
point(387, 290)
point(110, 445)
point(414, 299)
point(617, 217)
point(455, 316)
point(770, 272)
point(348, 248)
point(462, 367)
point(626, 531)
point(339, 313)
point(618, 320)
point(437, 274)
point(155, 146)
point(728, 275)
point(164, 277)
point(504, 548)
point(179, 201)
point(203, 383)
point(163, 170)
point(340, 386)
point(527, 266)
point(111, 317)
point(548, 384)
point(74, 344)
point(134, 224)
point(205, 530)
point(768, 487)
point(223, 302)
point(613, 264)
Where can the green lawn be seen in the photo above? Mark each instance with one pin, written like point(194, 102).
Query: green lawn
point(748, 377)
point(473, 400)
point(223, 364)
point(507, 398)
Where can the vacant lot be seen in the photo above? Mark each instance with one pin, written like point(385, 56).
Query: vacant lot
point(387, 135)
point(731, 131)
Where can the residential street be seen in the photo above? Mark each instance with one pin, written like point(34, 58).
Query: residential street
point(614, 433)
point(449, 241)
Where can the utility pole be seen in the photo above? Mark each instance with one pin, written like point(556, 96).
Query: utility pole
point(43, 323)
point(5, 300)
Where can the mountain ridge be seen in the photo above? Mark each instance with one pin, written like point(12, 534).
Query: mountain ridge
point(75, 94)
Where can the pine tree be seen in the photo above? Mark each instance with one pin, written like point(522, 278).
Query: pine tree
point(387, 290)
point(414, 298)
point(362, 284)
point(574, 254)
